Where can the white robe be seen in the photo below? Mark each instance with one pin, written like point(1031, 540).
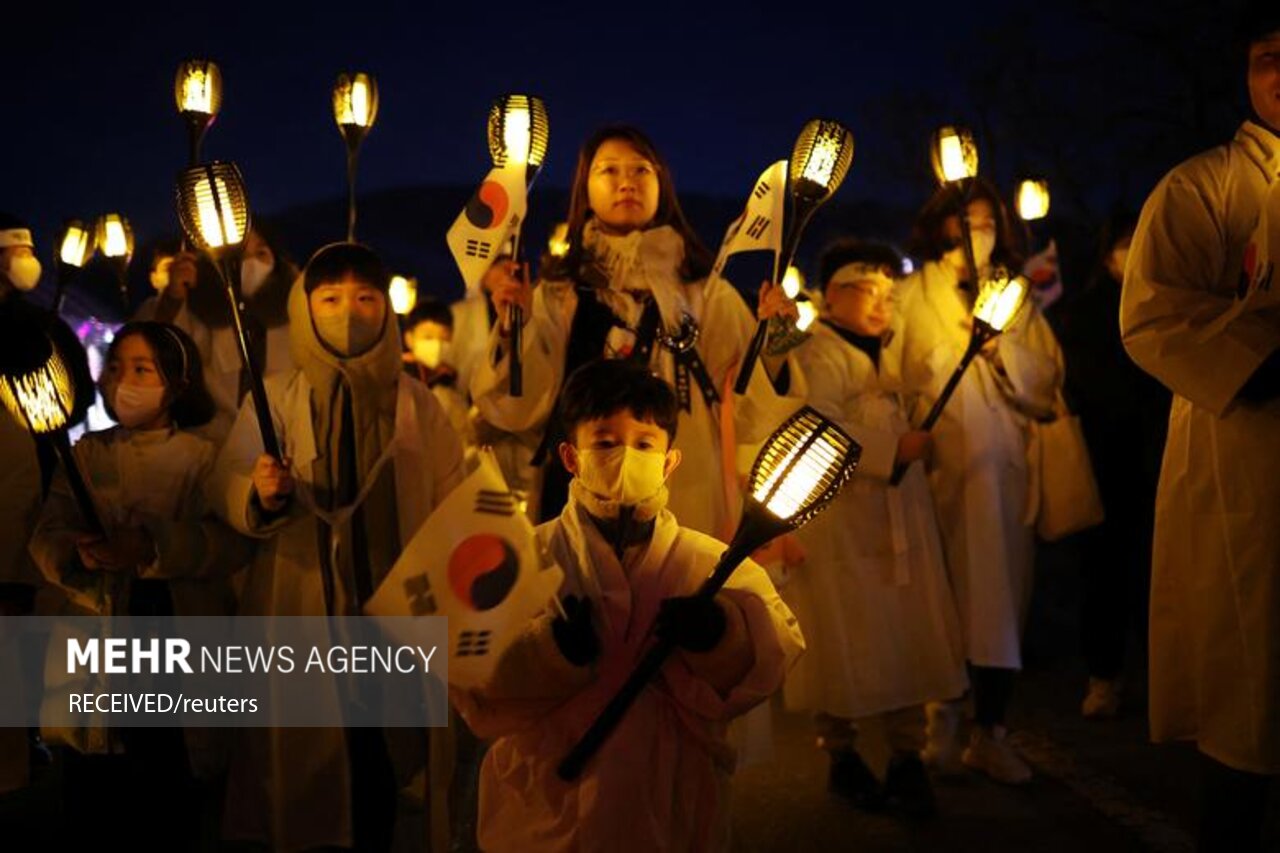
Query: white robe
point(155, 480)
point(980, 477)
point(308, 768)
point(698, 487)
point(872, 595)
point(660, 782)
point(1215, 586)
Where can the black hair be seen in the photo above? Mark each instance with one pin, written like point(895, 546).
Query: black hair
point(9, 222)
point(605, 387)
point(1259, 19)
point(697, 260)
point(269, 305)
point(337, 261)
point(929, 239)
point(851, 250)
point(178, 361)
point(1120, 223)
point(429, 310)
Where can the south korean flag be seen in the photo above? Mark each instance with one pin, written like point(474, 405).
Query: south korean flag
point(477, 561)
point(492, 215)
point(759, 228)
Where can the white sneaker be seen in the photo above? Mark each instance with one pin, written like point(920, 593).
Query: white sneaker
point(989, 752)
point(1103, 699)
point(942, 747)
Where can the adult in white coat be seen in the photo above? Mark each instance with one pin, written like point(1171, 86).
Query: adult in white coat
point(195, 301)
point(980, 475)
point(369, 453)
point(1201, 313)
point(631, 286)
point(873, 594)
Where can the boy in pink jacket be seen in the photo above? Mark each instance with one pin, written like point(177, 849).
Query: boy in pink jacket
point(660, 782)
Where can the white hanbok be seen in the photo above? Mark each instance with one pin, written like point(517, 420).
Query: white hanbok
point(649, 261)
point(980, 477)
point(872, 595)
point(1200, 312)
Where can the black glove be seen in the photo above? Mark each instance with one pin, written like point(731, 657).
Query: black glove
point(692, 622)
point(573, 632)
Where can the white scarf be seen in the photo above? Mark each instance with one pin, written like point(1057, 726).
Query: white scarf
point(647, 260)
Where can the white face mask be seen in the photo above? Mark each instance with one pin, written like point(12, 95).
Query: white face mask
point(24, 272)
point(253, 274)
point(136, 405)
point(622, 474)
point(984, 244)
point(433, 352)
point(348, 334)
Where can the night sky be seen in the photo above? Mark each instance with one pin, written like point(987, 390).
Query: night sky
point(91, 124)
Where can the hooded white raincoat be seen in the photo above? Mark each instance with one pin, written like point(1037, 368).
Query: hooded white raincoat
point(291, 787)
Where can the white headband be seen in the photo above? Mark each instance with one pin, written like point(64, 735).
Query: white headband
point(859, 272)
point(16, 237)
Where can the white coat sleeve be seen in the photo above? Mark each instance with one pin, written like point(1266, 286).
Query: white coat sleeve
point(1031, 361)
point(1175, 323)
point(53, 542)
point(727, 328)
point(546, 335)
point(195, 543)
point(229, 489)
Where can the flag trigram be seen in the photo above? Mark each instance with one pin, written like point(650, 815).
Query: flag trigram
point(481, 249)
point(422, 601)
point(473, 644)
point(497, 503)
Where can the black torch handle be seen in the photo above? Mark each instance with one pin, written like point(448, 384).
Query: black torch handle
point(353, 157)
point(935, 411)
point(589, 744)
point(79, 489)
point(270, 443)
point(753, 355)
point(515, 326)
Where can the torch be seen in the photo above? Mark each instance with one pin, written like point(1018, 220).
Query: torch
point(800, 469)
point(355, 107)
point(1033, 204)
point(115, 241)
point(37, 389)
point(819, 162)
point(999, 302)
point(197, 89)
point(955, 161)
point(403, 294)
point(214, 210)
point(518, 135)
point(75, 247)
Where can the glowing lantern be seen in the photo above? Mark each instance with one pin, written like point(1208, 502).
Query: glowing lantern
point(403, 293)
point(1033, 199)
point(355, 108)
point(954, 154)
point(197, 90)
